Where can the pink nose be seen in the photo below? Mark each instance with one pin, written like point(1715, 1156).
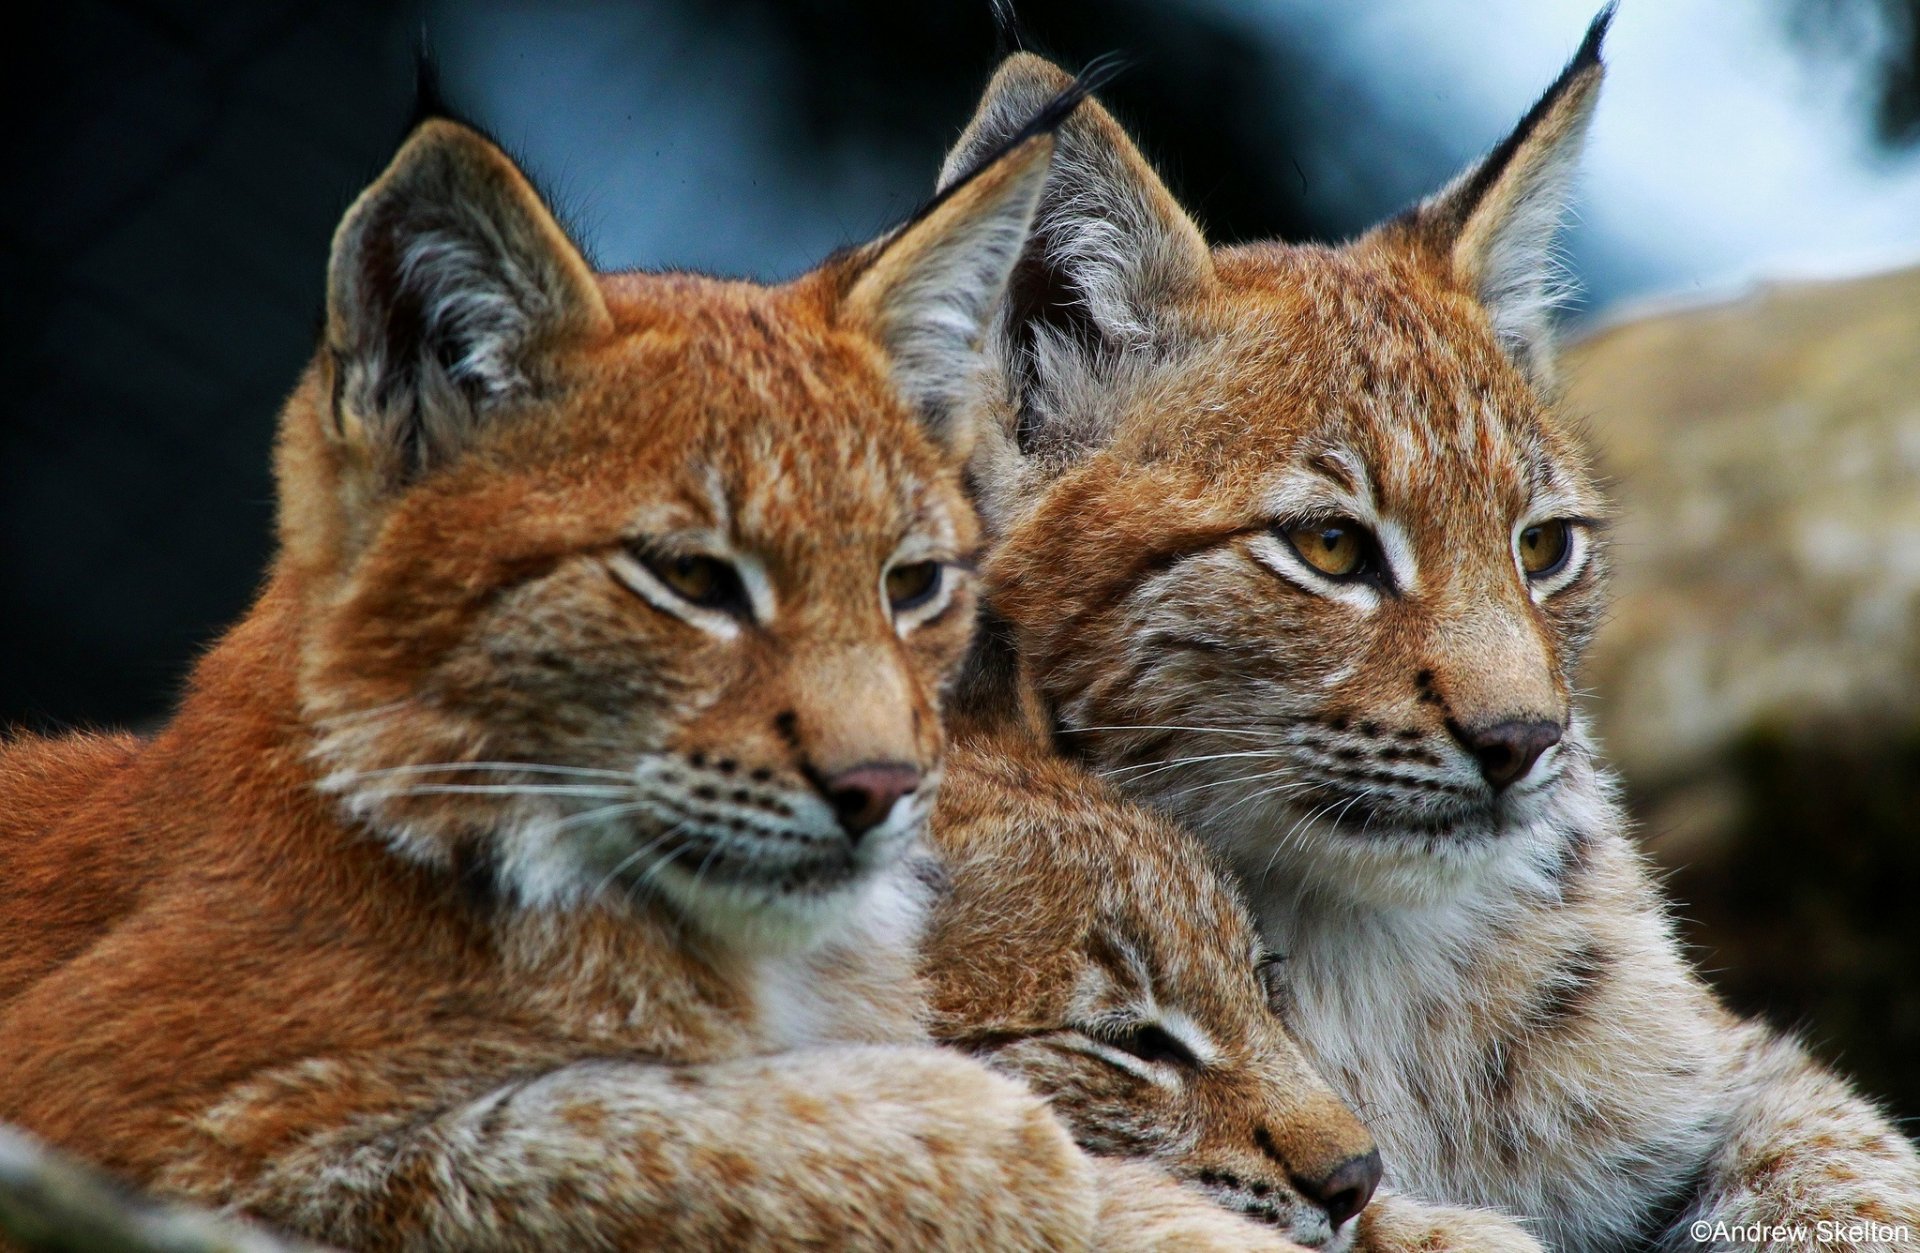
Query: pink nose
point(863, 796)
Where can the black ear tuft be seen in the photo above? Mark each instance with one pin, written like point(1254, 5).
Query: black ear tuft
point(1096, 76)
point(429, 101)
point(1007, 36)
point(1045, 120)
point(1496, 223)
point(1586, 57)
point(1589, 53)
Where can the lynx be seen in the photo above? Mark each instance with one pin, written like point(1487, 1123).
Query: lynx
point(531, 867)
point(1298, 549)
point(1093, 950)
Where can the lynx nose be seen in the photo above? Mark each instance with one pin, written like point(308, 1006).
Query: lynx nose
point(1347, 1190)
point(863, 796)
point(1507, 750)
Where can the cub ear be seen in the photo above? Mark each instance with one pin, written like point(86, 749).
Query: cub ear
point(927, 291)
point(448, 278)
point(1110, 246)
point(1495, 224)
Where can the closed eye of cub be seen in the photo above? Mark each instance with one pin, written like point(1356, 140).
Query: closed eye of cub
point(1147, 1041)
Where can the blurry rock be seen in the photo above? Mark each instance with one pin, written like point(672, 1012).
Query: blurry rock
point(1767, 458)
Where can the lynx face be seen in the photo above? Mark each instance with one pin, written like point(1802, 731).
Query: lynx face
point(1292, 536)
point(631, 585)
point(1089, 948)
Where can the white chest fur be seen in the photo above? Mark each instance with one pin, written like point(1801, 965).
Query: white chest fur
point(1546, 1055)
point(856, 985)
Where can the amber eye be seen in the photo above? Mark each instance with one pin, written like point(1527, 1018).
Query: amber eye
point(1544, 547)
point(913, 585)
point(704, 581)
point(1337, 547)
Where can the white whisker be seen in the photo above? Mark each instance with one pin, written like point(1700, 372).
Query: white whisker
point(1269, 791)
point(1155, 767)
point(1242, 731)
point(363, 715)
point(510, 789)
point(455, 767)
point(637, 853)
point(1244, 778)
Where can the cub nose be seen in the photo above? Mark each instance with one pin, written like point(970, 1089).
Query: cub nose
point(1346, 1191)
point(863, 796)
point(1507, 750)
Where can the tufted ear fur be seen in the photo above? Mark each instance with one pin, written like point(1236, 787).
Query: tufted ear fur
point(927, 291)
point(448, 278)
point(1110, 246)
point(1495, 224)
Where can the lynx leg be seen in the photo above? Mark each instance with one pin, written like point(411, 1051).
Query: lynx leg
point(867, 1148)
point(1806, 1163)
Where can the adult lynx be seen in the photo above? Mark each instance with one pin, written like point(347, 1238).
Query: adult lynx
point(1295, 545)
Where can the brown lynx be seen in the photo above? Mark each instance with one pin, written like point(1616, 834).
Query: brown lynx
point(523, 872)
point(1296, 546)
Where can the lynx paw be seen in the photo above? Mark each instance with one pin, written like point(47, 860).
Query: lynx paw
point(1398, 1224)
point(1144, 1210)
point(1009, 1175)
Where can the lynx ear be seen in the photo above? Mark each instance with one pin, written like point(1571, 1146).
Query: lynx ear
point(447, 279)
point(1110, 246)
point(1496, 222)
point(926, 293)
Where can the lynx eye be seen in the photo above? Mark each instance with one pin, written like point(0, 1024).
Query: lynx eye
point(707, 582)
point(1339, 548)
point(1544, 547)
point(912, 585)
point(1149, 1042)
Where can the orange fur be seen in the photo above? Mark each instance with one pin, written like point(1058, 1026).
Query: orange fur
point(67, 889)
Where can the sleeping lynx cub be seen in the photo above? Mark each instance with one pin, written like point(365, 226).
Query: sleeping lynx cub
point(523, 872)
point(1091, 948)
point(1296, 546)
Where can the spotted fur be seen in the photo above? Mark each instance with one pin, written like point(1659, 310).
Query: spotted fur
point(495, 886)
point(1481, 962)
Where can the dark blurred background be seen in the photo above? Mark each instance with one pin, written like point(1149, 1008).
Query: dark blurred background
point(1748, 341)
